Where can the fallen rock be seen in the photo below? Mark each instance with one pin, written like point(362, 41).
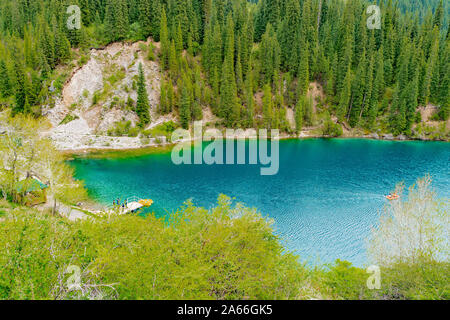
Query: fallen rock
point(55, 113)
point(112, 116)
point(77, 126)
point(87, 79)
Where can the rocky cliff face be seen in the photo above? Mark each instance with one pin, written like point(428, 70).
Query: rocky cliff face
point(96, 95)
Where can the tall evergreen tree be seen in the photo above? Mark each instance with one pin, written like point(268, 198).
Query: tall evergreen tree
point(229, 109)
point(163, 105)
point(185, 106)
point(303, 71)
point(268, 109)
point(145, 15)
point(142, 104)
point(5, 86)
point(270, 55)
point(164, 39)
point(345, 97)
point(299, 114)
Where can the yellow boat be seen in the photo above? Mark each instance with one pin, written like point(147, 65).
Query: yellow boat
point(146, 202)
point(393, 196)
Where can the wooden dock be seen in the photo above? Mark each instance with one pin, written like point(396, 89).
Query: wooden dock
point(130, 205)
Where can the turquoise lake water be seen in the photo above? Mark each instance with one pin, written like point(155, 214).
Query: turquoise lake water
point(324, 199)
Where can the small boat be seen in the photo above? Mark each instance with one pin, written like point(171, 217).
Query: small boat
point(393, 196)
point(146, 202)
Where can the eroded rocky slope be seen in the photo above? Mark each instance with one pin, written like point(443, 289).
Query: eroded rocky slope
point(101, 93)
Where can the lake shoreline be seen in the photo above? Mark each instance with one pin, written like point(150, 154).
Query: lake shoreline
point(125, 152)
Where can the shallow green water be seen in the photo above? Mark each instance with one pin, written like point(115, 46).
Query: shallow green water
point(324, 199)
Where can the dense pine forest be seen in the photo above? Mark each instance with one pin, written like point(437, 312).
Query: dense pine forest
point(249, 61)
point(422, 7)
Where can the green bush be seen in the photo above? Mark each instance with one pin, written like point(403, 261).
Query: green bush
point(422, 280)
point(228, 252)
point(96, 97)
point(121, 128)
point(124, 128)
point(117, 76)
point(346, 281)
point(83, 60)
point(331, 129)
point(151, 53)
point(68, 118)
point(134, 131)
point(164, 129)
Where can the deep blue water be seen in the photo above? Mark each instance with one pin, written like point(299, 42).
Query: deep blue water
point(324, 199)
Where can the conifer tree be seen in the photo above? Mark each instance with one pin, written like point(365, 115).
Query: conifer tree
point(173, 59)
point(288, 35)
point(444, 93)
point(303, 71)
point(47, 44)
point(121, 17)
point(164, 39)
point(190, 45)
point(344, 100)
point(229, 108)
point(331, 79)
point(163, 108)
point(216, 49)
point(378, 85)
point(145, 15)
point(170, 97)
point(156, 16)
point(370, 109)
point(299, 114)
point(430, 68)
point(358, 92)
point(20, 87)
point(5, 86)
point(268, 111)
point(28, 50)
point(142, 104)
point(250, 101)
point(239, 77)
point(308, 110)
point(246, 44)
point(438, 15)
point(179, 40)
point(344, 66)
point(411, 93)
point(397, 118)
point(270, 55)
point(185, 107)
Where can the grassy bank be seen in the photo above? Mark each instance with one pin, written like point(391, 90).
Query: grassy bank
point(116, 154)
point(162, 149)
